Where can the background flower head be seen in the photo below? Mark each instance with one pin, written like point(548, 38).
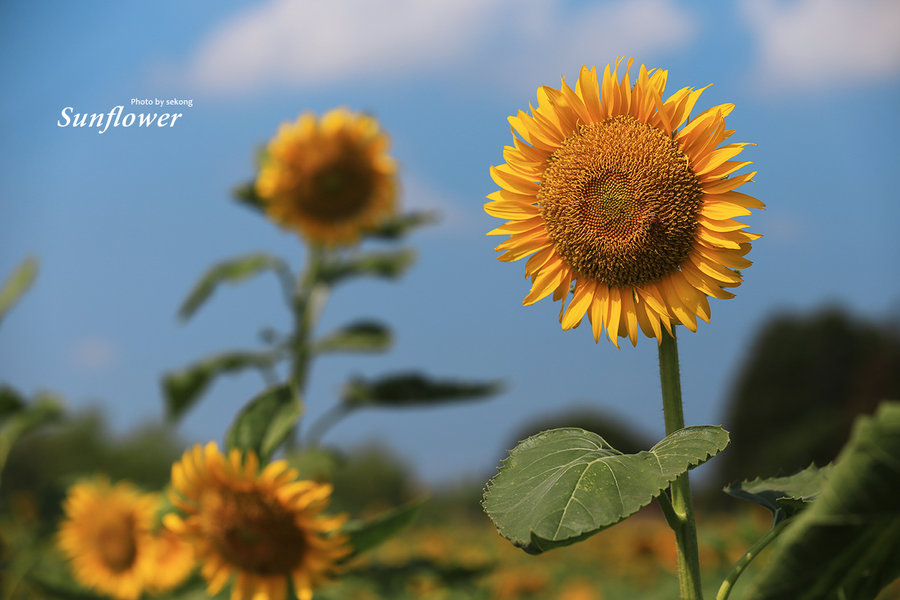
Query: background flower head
point(108, 536)
point(328, 178)
point(263, 527)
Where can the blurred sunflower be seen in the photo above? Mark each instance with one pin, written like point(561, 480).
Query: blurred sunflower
point(623, 205)
point(107, 535)
point(329, 179)
point(264, 527)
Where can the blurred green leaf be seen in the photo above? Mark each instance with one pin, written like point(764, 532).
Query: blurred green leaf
point(183, 388)
point(246, 195)
point(17, 284)
point(400, 225)
point(365, 535)
point(314, 462)
point(265, 422)
point(784, 496)
point(847, 543)
point(43, 409)
point(387, 265)
point(10, 401)
point(413, 389)
point(363, 336)
point(564, 485)
point(235, 270)
point(60, 589)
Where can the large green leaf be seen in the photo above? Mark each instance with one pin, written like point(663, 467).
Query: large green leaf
point(183, 388)
point(365, 535)
point(363, 336)
point(17, 284)
point(784, 496)
point(400, 225)
point(413, 389)
point(563, 485)
point(235, 270)
point(387, 265)
point(847, 543)
point(265, 422)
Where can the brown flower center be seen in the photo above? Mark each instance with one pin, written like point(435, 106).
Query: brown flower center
point(253, 532)
point(620, 202)
point(337, 189)
point(116, 541)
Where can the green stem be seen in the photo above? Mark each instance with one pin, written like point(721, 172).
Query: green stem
point(744, 561)
point(309, 296)
point(682, 504)
point(325, 422)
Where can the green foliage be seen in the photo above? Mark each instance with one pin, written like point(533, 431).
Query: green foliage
point(17, 284)
point(19, 418)
point(784, 496)
point(265, 422)
point(821, 370)
point(183, 388)
point(367, 479)
point(365, 535)
point(235, 270)
point(246, 195)
point(46, 461)
point(362, 336)
point(563, 485)
point(386, 265)
point(847, 543)
point(618, 433)
point(413, 389)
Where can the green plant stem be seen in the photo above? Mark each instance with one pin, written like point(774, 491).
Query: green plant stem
point(682, 504)
point(309, 296)
point(749, 555)
point(325, 422)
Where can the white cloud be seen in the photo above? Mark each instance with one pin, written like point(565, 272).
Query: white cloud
point(94, 353)
point(285, 42)
point(824, 43)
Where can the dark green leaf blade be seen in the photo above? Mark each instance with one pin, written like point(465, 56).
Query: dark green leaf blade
point(184, 387)
point(563, 485)
point(413, 389)
point(847, 543)
point(265, 421)
point(44, 408)
point(400, 225)
point(246, 195)
point(362, 336)
point(365, 535)
point(11, 401)
point(784, 496)
point(17, 284)
point(386, 265)
point(233, 271)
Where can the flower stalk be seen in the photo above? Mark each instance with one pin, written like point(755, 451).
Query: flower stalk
point(682, 520)
point(309, 297)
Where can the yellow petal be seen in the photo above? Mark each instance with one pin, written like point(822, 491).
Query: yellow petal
point(581, 300)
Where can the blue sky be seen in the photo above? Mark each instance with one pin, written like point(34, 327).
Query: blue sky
point(124, 222)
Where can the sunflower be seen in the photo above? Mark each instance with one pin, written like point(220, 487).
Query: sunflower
point(107, 535)
point(329, 179)
point(264, 527)
point(627, 212)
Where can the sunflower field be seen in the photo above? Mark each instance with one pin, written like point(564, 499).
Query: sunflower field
point(622, 197)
